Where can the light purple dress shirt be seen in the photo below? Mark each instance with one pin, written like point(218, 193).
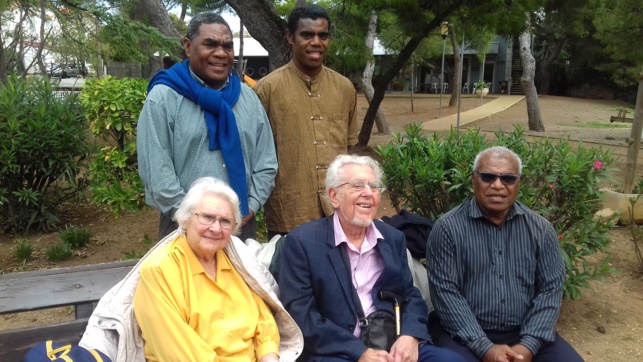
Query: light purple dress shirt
point(366, 265)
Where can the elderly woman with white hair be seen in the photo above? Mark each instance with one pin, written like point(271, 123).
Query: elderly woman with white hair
point(191, 303)
point(198, 295)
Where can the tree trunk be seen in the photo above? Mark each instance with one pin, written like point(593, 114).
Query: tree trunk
point(527, 80)
point(457, 72)
point(265, 25)
point(184, 9)
point(155, 11)
point(17, 45)
point(41, 46)
point(555, 46)
point(3, 62)
point(634, 141)
point(240, 69)
point(160, 19)
point(367, 76)
point(382, 82)
point(99, 51)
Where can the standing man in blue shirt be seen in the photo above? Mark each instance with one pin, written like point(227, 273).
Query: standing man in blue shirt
point(199, 120)
point(496, 272)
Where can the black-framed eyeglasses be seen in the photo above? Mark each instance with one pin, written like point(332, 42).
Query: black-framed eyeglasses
point(507, 179)
point(209, 220)
point(360, 185)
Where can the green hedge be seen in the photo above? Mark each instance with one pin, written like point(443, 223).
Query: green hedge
point(42, 152)
point(431, 174)
point(112, 107)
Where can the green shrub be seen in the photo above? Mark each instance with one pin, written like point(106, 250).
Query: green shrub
point(112, 107)
point(262, 229)
point(42, 153)
point(638, 188)
point(430, 175)
point(76, 237)
point(147, 240)
point(133, 255)
point(23, 251)
point(58, 252)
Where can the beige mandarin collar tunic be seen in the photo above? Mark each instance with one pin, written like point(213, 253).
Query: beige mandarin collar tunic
point(313, 121)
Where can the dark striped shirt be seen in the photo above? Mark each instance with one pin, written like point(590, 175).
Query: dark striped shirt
point(488, 277)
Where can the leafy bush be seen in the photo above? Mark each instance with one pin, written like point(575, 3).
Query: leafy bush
point(23, 251)
point(262, 228)
point(430, 175)
point(112, 107)
point(481, 84)
point(58, 252)
point(41, 155)
point(76, 237)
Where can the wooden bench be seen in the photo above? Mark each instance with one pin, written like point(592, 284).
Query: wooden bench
point(80, 287)
point(622, 116)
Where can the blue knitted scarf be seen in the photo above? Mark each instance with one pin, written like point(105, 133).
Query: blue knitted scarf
point(219, 119)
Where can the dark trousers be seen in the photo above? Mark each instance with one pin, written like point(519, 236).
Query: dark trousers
point(426, 353)
point(167, 225)
point(558, 351)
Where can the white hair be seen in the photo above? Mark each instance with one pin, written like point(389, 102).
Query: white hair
point(335, 174)
point(498, 152)
point(200, 187)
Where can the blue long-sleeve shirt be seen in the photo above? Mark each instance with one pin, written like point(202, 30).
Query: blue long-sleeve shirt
point(488, 277)
point(172, 147)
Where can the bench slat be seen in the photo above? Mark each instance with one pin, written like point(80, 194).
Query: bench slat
point(52, 288)
point(15, 343)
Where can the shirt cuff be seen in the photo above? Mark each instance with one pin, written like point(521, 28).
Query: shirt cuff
point(532, 343)
point(267, 347)
point(254, 205)
point(480, 346)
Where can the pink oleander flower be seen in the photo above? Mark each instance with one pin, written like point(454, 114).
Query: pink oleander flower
point(598, 164)
point(560, 237)
point(551, 186)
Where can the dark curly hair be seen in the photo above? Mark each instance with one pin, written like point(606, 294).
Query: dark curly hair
point(207, 17)
point(307, 11)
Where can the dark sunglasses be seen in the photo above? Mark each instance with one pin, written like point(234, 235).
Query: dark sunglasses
point(506, 179)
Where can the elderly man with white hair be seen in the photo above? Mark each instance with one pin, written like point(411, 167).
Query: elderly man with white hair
point(333, 270)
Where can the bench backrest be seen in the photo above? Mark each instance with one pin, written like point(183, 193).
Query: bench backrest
point(80, 287)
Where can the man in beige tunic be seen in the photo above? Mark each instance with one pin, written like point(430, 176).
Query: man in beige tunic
point(312, 114)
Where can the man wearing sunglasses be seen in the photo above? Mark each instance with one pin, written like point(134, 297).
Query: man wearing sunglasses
point(496, 272)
